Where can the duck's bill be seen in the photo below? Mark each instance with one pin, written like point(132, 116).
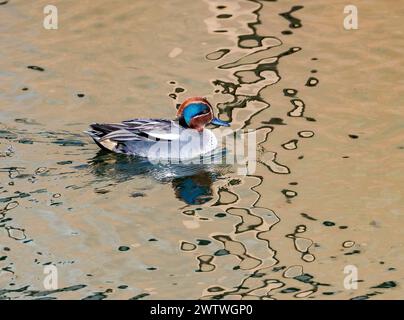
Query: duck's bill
point(219, 122)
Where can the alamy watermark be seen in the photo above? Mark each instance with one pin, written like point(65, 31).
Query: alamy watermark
point(50, 21)
point(189, 146)
point(51, 281)
point(351, 278)
point(351, 19)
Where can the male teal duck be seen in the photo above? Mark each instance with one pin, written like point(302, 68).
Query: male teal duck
point(183, 138)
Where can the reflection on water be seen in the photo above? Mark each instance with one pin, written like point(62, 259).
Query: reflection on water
point(253, 69)
point(120, 227)
point(191, 182)
point(293, 21)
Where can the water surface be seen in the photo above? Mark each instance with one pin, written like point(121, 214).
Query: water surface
point(326, 106)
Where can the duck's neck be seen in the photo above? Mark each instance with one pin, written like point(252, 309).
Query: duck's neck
point(183, 123)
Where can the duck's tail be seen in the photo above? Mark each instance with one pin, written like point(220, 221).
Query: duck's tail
point(98, 131)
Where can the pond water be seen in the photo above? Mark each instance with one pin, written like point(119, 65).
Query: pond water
point(327, 107)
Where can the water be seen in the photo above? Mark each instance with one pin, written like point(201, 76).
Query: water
point(325, 104)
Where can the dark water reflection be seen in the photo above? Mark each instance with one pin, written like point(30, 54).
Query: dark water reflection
point(191, 182)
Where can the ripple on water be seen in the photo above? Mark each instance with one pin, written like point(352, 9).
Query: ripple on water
point(288, 92)
point(306, 134)
point(205, 263)
point(187, 246)
point(218, 54)
point(290, 145)
point(312, 82)
point(298, 110)
point(294, 22)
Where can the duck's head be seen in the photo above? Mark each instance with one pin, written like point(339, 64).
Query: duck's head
point(196, 113)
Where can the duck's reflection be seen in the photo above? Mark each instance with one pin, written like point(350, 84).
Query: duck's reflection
point(194, 189)
point(191, 182)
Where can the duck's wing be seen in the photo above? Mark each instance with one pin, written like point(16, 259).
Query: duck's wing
point(156, 129)
point(135, 130)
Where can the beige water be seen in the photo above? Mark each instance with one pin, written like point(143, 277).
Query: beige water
point(326, 104)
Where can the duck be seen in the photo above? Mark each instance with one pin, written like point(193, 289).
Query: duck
point(184, 137)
